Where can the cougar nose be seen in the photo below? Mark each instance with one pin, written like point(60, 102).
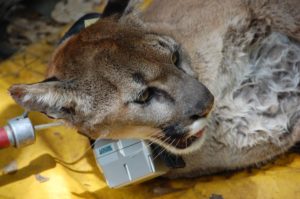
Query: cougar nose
point(202, 108)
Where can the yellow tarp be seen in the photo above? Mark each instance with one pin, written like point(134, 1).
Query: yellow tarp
point(61, 165)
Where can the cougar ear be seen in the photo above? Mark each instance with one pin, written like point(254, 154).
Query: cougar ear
point(124, 11)
point(48, 97)
point(116, 8)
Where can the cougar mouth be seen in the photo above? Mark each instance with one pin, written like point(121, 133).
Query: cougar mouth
point(186, 142)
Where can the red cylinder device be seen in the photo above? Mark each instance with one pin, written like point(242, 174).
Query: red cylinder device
point(4, 140)
point(18, 132)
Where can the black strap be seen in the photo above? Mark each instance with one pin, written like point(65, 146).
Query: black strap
point(79, 25)
point(113, 7)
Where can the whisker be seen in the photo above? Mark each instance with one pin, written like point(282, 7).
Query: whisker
point(186, 142)
point(155, 147)
point(164, 149)
point(158, 154)
point(177, 142)
point(150, 142)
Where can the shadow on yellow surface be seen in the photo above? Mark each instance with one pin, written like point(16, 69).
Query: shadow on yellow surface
point(37, 165)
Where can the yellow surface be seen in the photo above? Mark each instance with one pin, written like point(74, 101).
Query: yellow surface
point(61, 165)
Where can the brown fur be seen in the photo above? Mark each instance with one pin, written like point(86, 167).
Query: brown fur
point(103, 70)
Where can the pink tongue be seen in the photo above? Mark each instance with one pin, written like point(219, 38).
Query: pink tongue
point(199, 134)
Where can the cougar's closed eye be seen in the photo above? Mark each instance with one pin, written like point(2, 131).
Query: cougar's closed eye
point(176, 58)
point(51, 79)
point(145, 96)
point(68, 110)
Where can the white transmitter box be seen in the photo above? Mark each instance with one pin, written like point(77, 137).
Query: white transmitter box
point(125, 162)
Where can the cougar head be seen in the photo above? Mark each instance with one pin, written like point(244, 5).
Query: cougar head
point(118, 81)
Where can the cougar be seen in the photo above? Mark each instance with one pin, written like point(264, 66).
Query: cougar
point(214, 82)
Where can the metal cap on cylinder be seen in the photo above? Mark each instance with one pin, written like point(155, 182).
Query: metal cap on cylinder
point(20, 132)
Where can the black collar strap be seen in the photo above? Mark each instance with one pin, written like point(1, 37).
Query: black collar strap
point(80, 24)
